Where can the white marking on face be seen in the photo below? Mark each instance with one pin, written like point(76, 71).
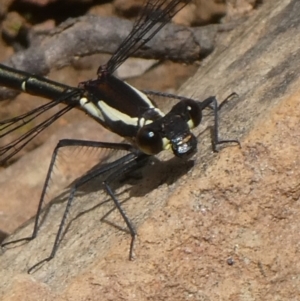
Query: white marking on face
point(191, 124)
point(166, 143)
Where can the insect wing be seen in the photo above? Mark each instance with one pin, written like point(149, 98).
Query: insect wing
point(155, 14)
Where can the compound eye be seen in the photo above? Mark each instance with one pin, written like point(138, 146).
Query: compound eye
point(149, 141)
point(194, 112)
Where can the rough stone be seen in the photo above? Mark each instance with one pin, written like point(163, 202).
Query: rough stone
point(239, 204)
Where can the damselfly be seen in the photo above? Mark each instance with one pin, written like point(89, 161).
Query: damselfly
point(117, 106)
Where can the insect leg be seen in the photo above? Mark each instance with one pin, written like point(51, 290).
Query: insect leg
point(118, 173)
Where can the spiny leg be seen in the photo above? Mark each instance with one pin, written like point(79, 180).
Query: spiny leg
point(112, 177)
point(215, 129)
point(86, 178)
point(63, 143)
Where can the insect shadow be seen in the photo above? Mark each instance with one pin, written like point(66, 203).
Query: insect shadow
point(134, 184)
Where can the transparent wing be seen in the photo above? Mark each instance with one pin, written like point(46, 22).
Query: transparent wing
point(155, 15)
point(14, 124)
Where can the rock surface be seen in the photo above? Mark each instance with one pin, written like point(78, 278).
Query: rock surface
point(224, 229)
